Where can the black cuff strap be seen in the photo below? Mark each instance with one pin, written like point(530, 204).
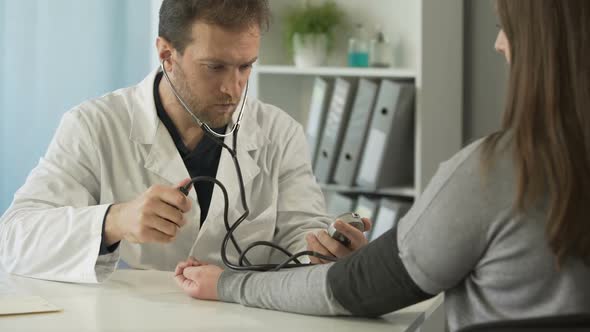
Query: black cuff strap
point(373, 281)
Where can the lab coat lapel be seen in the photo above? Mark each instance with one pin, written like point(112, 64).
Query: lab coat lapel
point(163, 158)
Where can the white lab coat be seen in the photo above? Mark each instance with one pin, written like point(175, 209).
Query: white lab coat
point(112, 149)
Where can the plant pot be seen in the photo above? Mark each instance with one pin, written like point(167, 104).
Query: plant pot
point(310, 50)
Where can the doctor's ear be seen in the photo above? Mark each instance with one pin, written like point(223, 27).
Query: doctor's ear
point(165, 51)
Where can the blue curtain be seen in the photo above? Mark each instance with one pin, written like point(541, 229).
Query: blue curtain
point(54, 54)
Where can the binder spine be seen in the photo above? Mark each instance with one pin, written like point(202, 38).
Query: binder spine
point(355, 134)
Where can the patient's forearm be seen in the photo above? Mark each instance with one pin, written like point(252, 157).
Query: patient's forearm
point(301, 290)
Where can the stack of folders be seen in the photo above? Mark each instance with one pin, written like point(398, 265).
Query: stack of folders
point(385, 212)
point(367, 140)
point(367, 208)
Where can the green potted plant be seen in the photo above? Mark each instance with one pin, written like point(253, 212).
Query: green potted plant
point(309, 32)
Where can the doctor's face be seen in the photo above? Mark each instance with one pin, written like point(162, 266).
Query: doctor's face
point(212, 72)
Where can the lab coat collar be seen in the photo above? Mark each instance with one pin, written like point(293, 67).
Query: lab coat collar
point(144, 118)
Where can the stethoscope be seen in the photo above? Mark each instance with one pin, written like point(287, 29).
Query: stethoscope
point(243, 263)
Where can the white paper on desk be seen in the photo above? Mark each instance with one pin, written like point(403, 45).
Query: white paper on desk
point(19, 304)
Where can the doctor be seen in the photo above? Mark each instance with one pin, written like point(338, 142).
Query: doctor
point(107, 187)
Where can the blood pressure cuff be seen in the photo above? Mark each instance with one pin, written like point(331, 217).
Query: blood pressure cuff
point(373, 281)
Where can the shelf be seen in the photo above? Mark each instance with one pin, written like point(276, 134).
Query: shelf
point(408, 192)
point(337, 71)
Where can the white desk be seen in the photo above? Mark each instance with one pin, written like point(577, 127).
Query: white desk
point(150, 301)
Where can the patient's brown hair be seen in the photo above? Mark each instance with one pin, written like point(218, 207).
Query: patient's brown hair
point(547, 115)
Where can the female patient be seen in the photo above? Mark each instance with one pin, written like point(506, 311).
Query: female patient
point(503, 228)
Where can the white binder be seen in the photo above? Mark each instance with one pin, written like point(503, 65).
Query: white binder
point(388, 157)
point(355, 134)
point(317, 113)
point(389, 213)
point(366, 207)
point(332, 134)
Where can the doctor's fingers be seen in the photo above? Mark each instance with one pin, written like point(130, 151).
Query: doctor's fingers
point(170, 195)
point(155, 228)
point(336, 248)
point(367, 223)
point(150, 235)
point(356, 237)
point(168, 212)
point(314, 244)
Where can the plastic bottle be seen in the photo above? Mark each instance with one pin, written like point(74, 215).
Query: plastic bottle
point(358, 48)
point(381, 54)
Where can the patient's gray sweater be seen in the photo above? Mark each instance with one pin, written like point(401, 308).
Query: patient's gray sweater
point(302, 290)
point(461, 237)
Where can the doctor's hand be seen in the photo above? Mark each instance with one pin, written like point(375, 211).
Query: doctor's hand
point(154, 216)
point(322, 243)
point(198, 279)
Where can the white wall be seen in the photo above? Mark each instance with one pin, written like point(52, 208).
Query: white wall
point(56, 54)
point(485, 72)
point(439, 103)
point(399, 19)
point(154, 21)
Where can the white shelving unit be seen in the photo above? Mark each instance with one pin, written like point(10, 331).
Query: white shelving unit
point(428, 50)
point(336, 72)
point(403, 192)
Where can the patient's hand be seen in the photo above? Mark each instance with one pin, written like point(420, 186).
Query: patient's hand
point(198, 279)
point(322, 243)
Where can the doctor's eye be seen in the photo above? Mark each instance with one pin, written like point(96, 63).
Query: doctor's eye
point(215, 67)
point(245, 67)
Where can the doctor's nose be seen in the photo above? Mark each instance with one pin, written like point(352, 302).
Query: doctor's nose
point(232, 85)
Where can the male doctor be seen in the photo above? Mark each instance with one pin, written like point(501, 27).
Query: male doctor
point(107, 187)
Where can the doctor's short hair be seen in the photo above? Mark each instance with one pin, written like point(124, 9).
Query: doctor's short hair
point(178, 16)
